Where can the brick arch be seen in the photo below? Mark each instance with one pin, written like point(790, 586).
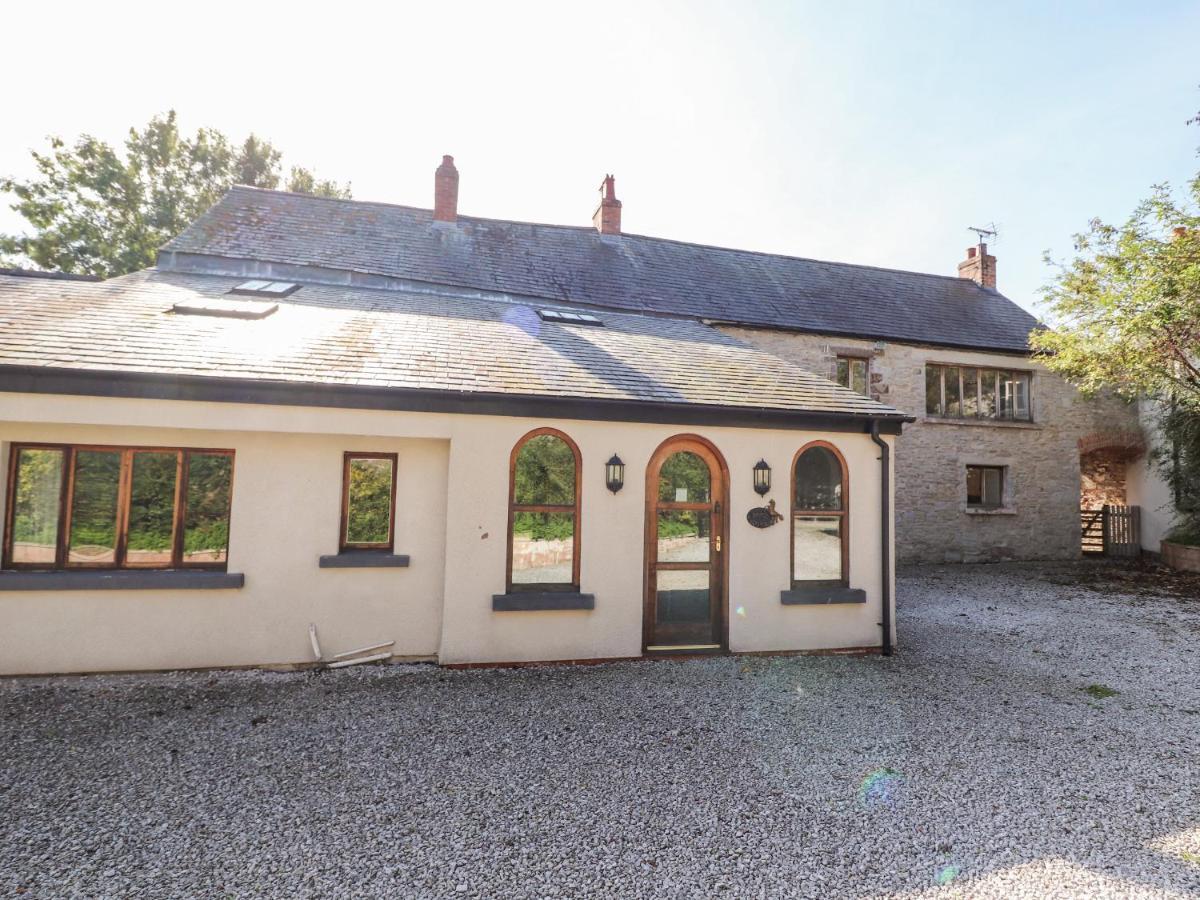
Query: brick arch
point(1127, 444)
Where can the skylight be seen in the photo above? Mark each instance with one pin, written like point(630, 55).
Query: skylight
point(264, 288)
point(228, 309)
point(568, 318)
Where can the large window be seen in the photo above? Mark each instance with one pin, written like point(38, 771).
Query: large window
point(368, 501)
point(820, 544)
point(117, 507)
point(543, 517)
point(854, 372)
point(966, 392)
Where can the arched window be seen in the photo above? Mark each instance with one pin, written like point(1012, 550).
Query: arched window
point(820, 539)
point(543, 513)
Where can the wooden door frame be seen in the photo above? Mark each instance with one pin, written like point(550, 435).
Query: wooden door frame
point(668, 447)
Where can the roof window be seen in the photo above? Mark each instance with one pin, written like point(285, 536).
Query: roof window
point(264, 288)
point(568, 318)
point(227, 309)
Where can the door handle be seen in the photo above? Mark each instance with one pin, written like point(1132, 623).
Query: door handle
point(718, 543)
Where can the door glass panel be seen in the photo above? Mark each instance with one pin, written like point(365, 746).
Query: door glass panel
point(817, 542)
point(683, 607)
point(206, 521)
point(684, 535)
point(94, 507)
point(543, 547)
point(152, 509)
point(684, 478)
point(35, 506)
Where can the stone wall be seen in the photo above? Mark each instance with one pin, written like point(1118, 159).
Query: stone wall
point(1040, 515)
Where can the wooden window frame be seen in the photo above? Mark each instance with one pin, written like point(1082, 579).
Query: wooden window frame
point(843, 514)
point(851, 358)
point(514, 508)
point(345, 546)
point(124, 495)
point(977, 372)
point(1000, 503)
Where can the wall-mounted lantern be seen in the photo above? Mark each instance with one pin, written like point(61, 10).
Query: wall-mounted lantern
point(614, 473)
point(762, 477)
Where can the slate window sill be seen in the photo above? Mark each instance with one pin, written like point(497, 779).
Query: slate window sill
point(997, 511)
point(822, 595)
point(535, 601)
point(121, 580)
point(364, 559)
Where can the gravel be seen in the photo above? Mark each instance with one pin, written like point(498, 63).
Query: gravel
point(974, 763)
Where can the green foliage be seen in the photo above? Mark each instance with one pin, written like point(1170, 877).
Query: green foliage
point(1125, 313)
point(369, 507)
point(97, 211)
point(544, 526)
point(684, 470)
point(1101, 691)
point(545, 472)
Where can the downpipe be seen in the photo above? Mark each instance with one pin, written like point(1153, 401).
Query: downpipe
point(885, 536)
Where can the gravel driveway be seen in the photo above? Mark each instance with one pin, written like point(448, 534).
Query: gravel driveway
point(975, 763)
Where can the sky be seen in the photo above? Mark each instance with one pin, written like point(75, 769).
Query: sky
point(871, 133)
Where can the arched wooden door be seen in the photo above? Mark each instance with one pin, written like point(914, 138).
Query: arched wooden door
point(686, 486)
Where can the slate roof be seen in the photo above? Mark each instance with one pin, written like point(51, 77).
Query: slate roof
point(630, 272)
point(396, 339)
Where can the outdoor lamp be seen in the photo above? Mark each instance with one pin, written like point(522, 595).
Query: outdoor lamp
point(762, 477)
point(614, 473)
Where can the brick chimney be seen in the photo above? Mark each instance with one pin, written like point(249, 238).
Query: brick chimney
point(445, 191)
point(979, 266)
point(607, 217)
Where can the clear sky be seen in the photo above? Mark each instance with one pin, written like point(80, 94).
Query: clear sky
point(871, 133)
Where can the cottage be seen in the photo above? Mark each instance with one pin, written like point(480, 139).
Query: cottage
point(496, 442)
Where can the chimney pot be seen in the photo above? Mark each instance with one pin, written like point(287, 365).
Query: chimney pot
point(445, 191)
point(979, 266)
point(607, 217)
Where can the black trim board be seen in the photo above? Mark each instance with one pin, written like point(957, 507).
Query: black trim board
point(363, 559)
point(815, 596)
point(535, 601)
point(121, 580)
point(153, 386)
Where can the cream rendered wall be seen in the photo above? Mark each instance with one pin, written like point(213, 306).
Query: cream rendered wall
point(451, 519)
point(1145, 488)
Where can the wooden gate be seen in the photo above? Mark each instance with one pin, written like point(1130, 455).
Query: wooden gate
point(1111, 531)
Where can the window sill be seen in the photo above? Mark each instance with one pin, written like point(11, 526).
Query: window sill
point(121, 580)
point(363, 559)
point(999, 511)
point(980, 423)
point(536, 601)
point(820, 595)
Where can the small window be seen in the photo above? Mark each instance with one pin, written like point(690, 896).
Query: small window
point(568, 318)
point(263, 288)
point(117, 507)
point(543, 518)
point(854, 372)
point(368, 501)
point(985, 487)
point(820, 539)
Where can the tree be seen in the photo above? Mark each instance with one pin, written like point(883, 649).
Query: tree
point(1125, 313)
point(96, 211)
